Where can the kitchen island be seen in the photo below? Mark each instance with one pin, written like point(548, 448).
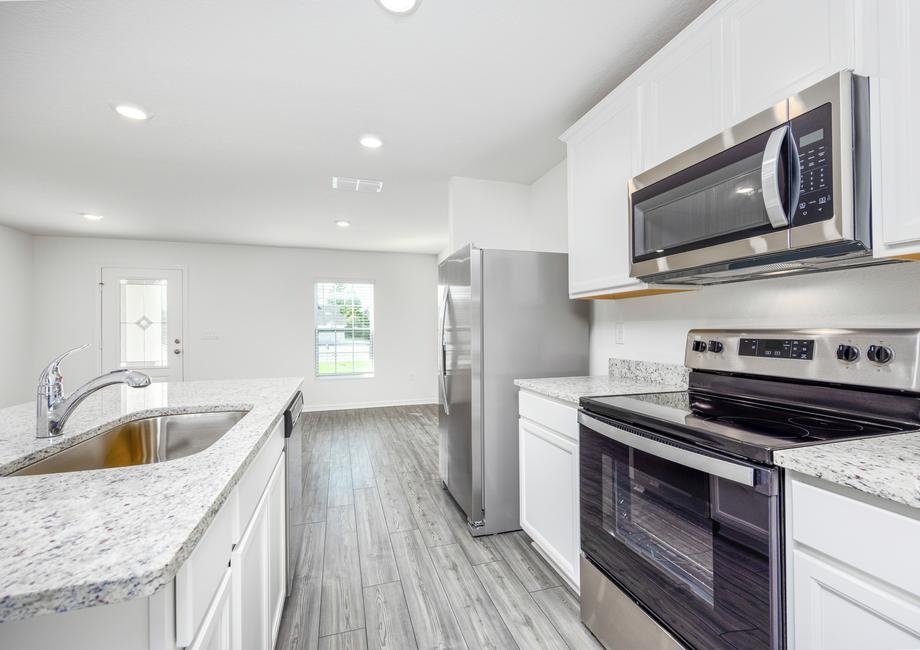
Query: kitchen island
point(95, 538)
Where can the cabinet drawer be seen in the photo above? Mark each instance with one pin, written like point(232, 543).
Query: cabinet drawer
point(879, 542)
point(199, 578)
point(552, 414)
point(255, 479)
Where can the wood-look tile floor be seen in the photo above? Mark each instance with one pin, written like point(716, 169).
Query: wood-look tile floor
point(387, 561)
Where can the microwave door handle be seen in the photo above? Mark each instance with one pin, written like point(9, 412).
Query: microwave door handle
point(769, 178)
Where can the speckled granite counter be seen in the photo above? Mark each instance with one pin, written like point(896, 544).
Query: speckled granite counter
point(91, 538)
point(888, 466)
point(626, 377)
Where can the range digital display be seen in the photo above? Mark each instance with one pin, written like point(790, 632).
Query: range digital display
point(778, 348)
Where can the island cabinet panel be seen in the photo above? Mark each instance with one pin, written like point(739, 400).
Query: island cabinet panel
point(255, 594)
point(216, 629)
point(853, 569)
point(549, 481)
point(200, 577)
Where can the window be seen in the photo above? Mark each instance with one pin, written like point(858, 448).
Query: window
point(344, 329)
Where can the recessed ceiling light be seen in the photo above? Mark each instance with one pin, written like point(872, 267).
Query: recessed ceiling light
point(400, 6)
point(132, 111)
point(91, 217)
point(342, 223)
point(371, 142)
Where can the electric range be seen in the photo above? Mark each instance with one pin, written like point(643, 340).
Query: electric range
point(681, 505)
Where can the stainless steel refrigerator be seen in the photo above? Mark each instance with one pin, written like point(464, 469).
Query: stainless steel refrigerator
point(503, 315)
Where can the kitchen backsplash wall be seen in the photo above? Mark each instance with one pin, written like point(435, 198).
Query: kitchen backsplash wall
point(652, 372)
point(655, 328)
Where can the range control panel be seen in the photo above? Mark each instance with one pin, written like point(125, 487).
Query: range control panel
point(778, 348)
point(884, 358)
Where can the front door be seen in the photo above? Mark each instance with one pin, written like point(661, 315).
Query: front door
point(142, 321)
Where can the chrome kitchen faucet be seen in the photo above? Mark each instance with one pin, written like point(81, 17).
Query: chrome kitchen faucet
point(53, 408)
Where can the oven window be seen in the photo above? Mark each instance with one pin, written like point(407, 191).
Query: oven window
point(717, 200)
point(692, 547)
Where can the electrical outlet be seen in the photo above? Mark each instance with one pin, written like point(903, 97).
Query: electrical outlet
point(618, 333)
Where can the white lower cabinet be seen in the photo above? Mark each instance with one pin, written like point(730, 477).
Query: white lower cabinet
point(215, 630)
point(549, 481)
point(853, 572)
point(257, 599)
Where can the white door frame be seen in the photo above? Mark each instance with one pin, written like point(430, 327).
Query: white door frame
point(97, 324)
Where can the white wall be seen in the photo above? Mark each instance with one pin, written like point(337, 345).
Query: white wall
point(17, 375)
point(549, 211)
point(259, 301)
point(655, 327)
point(513, 216)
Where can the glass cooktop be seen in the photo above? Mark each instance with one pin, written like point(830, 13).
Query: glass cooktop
point(746, 427)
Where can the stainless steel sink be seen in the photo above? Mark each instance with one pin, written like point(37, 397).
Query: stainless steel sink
point(139, 442)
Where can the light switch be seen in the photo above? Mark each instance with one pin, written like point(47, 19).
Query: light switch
point(618, 333)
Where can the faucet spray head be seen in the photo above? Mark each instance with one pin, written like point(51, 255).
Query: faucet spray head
point(136, 379)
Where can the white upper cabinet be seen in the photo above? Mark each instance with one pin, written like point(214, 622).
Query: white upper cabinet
point(602, 157)
point(775, 48)
point(681, 96)
point(894, 99)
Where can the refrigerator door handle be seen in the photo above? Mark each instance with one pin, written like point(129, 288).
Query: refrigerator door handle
point(442, 353)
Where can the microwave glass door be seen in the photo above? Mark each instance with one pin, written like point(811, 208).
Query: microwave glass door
point(693, 548)
point(717, 200)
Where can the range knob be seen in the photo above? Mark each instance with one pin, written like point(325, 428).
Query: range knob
point(848, 353)
point(716, 346)
point(699, 346)
point(879, 354)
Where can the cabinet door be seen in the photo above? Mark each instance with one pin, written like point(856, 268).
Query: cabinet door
point(601, 160)
point(840, 609)
point(549, 494)
point(777, 48)
point(896, 213)
point(681, 99)
point(250, 567)
point(277, 548)
point(214, 633)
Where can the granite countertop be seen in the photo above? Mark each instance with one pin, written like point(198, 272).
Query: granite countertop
point(625, 377)
point(98, 537)
point(886, 466)
point(571, 389)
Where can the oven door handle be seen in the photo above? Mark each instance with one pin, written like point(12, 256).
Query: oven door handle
point(707, 464)
point(769, 178)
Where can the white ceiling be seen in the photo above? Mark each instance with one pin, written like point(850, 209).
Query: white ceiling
point(258, 104)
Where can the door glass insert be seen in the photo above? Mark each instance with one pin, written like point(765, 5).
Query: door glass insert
point(143, 323)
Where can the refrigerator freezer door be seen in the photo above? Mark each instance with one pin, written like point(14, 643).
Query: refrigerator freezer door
point(455, 420)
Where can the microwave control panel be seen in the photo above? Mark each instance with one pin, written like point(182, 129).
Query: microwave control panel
point(813, 138)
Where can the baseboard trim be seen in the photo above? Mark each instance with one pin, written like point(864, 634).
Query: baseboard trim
point(370, 405)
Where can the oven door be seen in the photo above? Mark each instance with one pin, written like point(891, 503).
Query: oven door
point(693, 537)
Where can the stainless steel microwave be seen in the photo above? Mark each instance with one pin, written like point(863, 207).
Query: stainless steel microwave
point(786, 191)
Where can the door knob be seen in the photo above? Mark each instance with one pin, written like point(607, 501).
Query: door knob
point(177, 351)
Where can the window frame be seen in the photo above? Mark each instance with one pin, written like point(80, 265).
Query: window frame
point(370, 329)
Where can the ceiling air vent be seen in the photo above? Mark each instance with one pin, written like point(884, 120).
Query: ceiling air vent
point(356, 184)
